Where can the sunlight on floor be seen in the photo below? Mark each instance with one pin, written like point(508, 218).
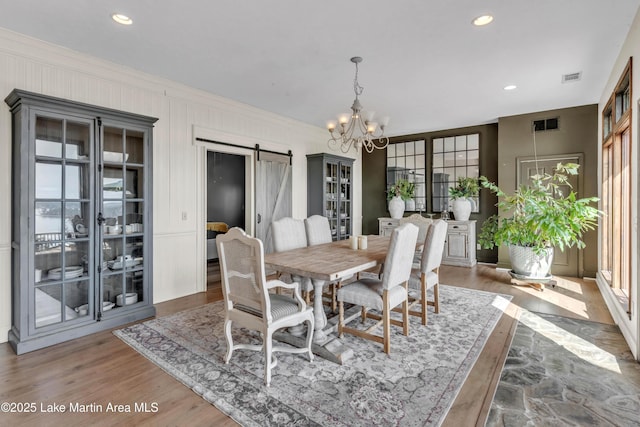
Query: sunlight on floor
point(583, 349)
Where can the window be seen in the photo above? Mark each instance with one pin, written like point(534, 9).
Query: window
point(616, 228)
point(406, 160)
point(454, 157)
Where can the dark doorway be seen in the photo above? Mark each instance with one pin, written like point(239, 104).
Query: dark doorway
point(225, 202)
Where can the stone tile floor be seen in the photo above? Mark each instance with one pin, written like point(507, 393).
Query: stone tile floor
point(567, 372)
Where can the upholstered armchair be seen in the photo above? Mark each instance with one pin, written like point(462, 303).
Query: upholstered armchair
point(427, 275)
point(385, 294)
point(423, 224)
point(249, 304)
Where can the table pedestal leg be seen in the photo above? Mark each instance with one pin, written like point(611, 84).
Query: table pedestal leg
point(320, 318)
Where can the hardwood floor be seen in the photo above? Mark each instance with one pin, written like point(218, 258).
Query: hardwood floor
point(100, 369)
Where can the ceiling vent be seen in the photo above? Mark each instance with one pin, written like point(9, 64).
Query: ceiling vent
point(545, 124)
point(572, 77)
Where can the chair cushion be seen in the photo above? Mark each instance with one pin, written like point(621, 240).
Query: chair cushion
point(368, 293)
point(414, 280)
point(282, 305)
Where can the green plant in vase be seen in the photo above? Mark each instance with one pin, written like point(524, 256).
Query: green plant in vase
point(538, 217)
point(462, 194)
point(397, 194)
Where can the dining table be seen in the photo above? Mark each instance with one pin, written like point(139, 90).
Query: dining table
point(328, 262)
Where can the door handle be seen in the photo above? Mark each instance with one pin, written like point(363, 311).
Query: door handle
point(259, 218)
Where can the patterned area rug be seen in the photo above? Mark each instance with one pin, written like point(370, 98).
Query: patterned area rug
point(567, 372)
point(414, 385)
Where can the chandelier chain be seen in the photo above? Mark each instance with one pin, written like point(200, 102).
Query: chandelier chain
point(356, 86)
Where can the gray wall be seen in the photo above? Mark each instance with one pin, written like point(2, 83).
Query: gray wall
point(577, 133)
point(374, 165)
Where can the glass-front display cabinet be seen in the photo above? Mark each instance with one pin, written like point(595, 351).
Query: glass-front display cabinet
point(330, 191)
point(81, 225)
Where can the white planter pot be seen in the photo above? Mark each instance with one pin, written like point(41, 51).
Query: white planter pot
point(409, 205)
point(461, 209)
point(396, 207)
point(525, 262)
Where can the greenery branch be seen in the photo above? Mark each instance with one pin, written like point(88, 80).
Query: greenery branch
point(540, 215)
point(465, 187)
point(402, 188)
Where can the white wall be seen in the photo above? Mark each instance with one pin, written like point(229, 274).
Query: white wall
point(179, 260)
point(631, 48)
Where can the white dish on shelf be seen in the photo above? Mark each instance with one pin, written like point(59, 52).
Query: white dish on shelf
point(83, 310)
point(131, 298)
point(118, 265)
point(112, 156)
point(70, 272)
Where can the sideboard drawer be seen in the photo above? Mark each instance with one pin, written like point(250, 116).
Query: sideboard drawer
point(459, 227)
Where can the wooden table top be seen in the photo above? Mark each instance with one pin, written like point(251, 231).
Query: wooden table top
point(330, 261)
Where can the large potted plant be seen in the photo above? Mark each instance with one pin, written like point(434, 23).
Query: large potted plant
point(397, 194)
point(538, 217)
point(465, 189)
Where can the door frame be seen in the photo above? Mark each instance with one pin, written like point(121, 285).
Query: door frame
point(560, 158)
point(245, 149)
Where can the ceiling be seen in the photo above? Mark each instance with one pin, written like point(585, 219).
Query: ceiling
point(424, 64)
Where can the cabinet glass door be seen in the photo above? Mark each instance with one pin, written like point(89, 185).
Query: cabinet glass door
point(62, 214)
point(345, 201)
point(332, 186)
point(123, 204)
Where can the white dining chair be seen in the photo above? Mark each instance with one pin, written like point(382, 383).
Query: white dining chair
point(385, 294)
point(423, 224)
point(427, 275)
point(249, 304)
point(287, 234)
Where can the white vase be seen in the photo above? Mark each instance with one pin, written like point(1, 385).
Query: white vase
point(461, 209)
point(396, 207)
point(409, 205)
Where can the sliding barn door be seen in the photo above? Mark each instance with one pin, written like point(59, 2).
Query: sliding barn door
point(273, 194)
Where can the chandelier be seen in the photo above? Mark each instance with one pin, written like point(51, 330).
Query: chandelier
point(357, 129)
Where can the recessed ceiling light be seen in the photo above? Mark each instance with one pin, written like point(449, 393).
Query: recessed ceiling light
point(482, 20)
point(122, 19)
point(510, 87)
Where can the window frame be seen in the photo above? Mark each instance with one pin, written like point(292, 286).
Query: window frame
point(616, 190)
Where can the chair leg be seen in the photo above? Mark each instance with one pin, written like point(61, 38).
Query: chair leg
point(310, 338)
point(386, 321)
point(405, 312)
point(267, 344)
point(227, 334)
point(436, 299)
point(340, 319)
point(333, 297)
point(423, 297)
point(363, 314)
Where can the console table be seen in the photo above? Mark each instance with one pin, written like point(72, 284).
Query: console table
point(460, 246)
